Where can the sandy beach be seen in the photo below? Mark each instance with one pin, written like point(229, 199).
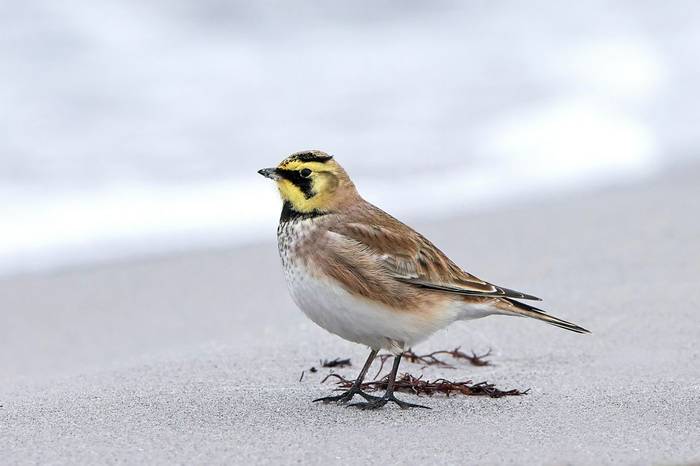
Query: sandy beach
point(196, 358)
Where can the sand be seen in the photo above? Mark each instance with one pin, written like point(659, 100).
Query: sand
point(196, 359)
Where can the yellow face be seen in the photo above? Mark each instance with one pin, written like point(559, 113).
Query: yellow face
point(307, 181)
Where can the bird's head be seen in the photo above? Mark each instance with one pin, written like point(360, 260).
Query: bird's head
point(311, 181)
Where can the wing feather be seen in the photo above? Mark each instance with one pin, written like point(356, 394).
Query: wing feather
point(408, 257)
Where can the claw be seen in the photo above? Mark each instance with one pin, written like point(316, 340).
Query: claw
point(380, 402)
point(346, 397)
point(331, 399)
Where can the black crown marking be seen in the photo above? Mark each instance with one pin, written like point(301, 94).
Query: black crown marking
point(310, 157)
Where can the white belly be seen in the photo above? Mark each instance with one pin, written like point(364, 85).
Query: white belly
point(358, 319)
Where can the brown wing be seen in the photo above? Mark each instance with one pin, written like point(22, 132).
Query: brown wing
point(408, 257)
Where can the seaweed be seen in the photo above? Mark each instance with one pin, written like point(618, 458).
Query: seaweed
point(337, 362)
point(431, 359)
point(408, 383)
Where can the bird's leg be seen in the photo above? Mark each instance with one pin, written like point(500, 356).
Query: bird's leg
point(389, 395)
point(355, 389)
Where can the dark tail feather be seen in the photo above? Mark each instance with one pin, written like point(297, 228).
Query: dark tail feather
point(519, 295)
point(526, 310)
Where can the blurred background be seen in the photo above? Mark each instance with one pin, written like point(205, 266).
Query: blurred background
point(132, 128)
point(550, 146)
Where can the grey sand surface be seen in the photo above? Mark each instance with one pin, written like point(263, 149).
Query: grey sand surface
point(196, 359)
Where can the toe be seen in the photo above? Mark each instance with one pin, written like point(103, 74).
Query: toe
point(327, 399)
point(406, 405)
point(369, 397)
point(365, 406)
point(411, 405)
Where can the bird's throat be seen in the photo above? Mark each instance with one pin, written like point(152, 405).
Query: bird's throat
point(291, 214)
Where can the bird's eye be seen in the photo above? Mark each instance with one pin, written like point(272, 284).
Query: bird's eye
point(305, 172)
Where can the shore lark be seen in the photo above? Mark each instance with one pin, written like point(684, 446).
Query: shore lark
point(363, 275)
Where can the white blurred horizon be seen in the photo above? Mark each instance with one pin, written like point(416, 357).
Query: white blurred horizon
point(134, 128)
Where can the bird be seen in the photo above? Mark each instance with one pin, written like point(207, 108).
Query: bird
point(368, 278)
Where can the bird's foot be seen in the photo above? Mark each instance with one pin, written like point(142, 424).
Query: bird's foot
point(380, 402)
point(345, 397)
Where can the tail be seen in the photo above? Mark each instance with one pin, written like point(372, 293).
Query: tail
point(518, 308)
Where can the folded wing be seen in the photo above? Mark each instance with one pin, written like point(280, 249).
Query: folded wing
point(408, 257)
